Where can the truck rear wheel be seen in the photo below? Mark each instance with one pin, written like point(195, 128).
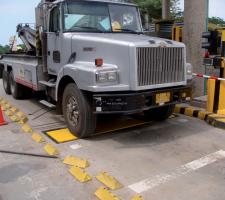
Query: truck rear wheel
point(5, 79)
point(160, 113)
point(77, 111)
point(18, 91)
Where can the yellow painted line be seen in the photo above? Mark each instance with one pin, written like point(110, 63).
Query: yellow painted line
point(51, 150)
point(104, 194)
point(38, 138)
point(27, 129)
point(109, 181)
point(137, 197)
point(76, 161)
point(61, 135)
point(80, 174)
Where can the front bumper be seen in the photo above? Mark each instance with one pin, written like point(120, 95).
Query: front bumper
point(133, 102)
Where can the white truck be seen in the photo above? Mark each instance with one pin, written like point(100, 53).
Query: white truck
point(92, 58)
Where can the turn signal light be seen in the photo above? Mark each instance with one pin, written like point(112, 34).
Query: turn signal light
point(98, 62)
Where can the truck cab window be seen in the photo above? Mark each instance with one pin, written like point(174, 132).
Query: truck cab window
point(55, 20)
point(86, 16)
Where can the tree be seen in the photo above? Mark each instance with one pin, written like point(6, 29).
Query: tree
point(217, 21)
point(4, 49)
point(154, 8)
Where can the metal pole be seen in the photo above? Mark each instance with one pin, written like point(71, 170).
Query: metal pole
point(165, 9)
point(206, 29)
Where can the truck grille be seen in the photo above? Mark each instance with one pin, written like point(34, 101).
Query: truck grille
point(160, 65)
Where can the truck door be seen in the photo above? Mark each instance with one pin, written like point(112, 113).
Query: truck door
point(54, 41)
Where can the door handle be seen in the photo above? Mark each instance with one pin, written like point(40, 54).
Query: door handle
point(49, 53)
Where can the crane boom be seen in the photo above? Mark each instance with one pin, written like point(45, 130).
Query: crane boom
point(28, 36)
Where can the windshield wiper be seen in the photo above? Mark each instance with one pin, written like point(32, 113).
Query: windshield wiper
point(86, 27)
point(127, 30)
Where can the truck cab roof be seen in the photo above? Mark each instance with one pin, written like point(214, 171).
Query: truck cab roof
point(125, 2)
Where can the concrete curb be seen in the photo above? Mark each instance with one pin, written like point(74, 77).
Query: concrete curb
point(211, 118)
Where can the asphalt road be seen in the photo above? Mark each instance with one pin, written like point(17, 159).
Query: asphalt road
point(181, 158)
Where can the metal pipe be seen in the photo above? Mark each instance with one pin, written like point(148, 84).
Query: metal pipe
point(165, 9)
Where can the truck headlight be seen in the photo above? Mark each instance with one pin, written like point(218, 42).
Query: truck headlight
point(189, 70)
point(111, 76)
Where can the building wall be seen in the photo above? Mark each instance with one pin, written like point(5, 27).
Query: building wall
point(195, 23)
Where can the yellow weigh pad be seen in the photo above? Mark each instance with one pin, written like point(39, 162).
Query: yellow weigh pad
point(103, 126)
point(118, 124)
point(61, 135)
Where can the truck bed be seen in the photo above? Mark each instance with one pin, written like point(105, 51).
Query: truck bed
point(27, 69)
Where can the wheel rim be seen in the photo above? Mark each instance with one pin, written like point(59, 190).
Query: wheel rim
point(72, 111)
point(12, 84)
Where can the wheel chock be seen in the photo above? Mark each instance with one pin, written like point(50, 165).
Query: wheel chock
point(109, 181)
point(14, 118)
point(4, 108)
point(14, 109)
point(104, 194)
point(9, 113)
point(138, 197)
point(38, 138)
point(80, 174)
point(75, 161)
point(27, 129)
point(8, 106)
point(51, 150)
point(23, 118)
point(3, 102)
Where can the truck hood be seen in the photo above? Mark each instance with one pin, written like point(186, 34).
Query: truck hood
point(126, 39)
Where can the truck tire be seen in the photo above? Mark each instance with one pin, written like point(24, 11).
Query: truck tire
point(160, 113)
point(18, 91)
point(77, 111)
point(5, 79)
point(1, 71)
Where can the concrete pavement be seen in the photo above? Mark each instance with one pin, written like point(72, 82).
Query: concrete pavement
point(155, 156)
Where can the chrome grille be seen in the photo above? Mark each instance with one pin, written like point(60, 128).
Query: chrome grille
point(160, 65)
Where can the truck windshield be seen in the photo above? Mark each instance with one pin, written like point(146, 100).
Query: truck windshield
point(100, 17)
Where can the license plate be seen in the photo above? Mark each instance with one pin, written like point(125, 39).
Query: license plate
point(162, 98)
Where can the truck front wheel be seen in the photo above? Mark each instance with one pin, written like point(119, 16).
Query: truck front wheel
point(5, 79)
point(160, 113)
point(77, 111)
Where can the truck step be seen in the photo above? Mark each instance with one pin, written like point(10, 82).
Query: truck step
point(47, 104)
point(49, 84)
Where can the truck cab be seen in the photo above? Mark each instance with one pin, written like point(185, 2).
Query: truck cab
point(94, 59)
